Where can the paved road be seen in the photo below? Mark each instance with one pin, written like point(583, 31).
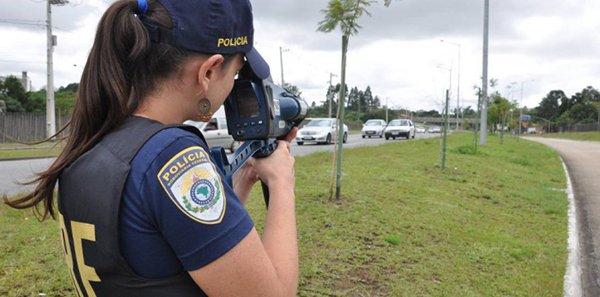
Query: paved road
point(11, 171)
point(354, 140)
point(583, 162)
point(19, 170)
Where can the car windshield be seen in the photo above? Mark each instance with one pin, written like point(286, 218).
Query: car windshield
point(373, 123)
point(399, 123)
point(319, 123)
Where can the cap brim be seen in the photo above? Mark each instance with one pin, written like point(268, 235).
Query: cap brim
point(258, 65)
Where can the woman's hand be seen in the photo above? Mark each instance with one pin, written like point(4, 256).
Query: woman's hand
point(266, 266)
point(278, 168)
point(244, 179)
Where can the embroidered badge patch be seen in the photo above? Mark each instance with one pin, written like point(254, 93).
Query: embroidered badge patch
point(194, 185)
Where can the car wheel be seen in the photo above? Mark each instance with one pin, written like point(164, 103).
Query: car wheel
point(369, 136)
point(299, 142)
point(393, 138)
point(387, 138)
point(328, 140)
point(380, 135)
point(364, 136)
point(234, 146)
point(413, 136)
point(346, 138)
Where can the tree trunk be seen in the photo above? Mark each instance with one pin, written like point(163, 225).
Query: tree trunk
point(502, 131)
point(340, 120)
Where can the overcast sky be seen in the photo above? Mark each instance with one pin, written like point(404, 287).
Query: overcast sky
point(541, 45)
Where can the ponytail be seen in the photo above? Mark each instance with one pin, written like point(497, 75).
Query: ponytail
point(123, 66)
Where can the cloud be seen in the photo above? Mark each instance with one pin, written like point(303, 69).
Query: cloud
point(407, 19)
point(66, 17)
point(547, 44)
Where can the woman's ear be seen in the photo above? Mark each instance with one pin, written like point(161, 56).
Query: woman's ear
point(208, 69)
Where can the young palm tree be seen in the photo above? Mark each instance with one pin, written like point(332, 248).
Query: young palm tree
point(345, 14)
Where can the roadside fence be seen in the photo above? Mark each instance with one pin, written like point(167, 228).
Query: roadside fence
point(27, 126)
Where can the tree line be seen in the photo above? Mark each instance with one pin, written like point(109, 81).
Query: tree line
point(561, 112)
point(360, 105)
point(556, 111)
point(14, 98)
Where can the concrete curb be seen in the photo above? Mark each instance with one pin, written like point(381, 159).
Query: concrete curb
point(572, 279)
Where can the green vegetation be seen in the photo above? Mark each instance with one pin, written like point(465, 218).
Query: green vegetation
point(556, 110)
point(31, 256)
point(592, 135)
point(17, 151)
point(492, 224)
point(16, 99)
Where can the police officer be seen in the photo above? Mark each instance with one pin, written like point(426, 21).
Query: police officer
point(142, 207)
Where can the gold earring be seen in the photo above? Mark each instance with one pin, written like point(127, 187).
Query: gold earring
point(204, 113)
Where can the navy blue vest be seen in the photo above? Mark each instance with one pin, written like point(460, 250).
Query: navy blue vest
point(90, 191)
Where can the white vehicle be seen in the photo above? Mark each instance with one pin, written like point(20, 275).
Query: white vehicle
point(373, 128)
point(320, 130)
point(215, 132)
point(434, 130)
point(400, 128)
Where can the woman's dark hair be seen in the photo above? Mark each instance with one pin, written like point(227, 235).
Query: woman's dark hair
point(123, 67)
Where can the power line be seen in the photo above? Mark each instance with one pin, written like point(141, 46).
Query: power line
point(24, 22)
point(39, 23)
point(28, 61)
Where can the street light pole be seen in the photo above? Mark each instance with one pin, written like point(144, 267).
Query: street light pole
point(521, 109)
point(450, 78)
point(484, 94)
point(457, 83)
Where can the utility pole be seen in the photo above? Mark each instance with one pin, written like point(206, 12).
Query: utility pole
point(51, 42)
point(281, 50)
point(50, 109)
point(446, 126)
point(386, 109)
point(458, 92)
point(475, 130)
point(484, 94)
point(331, 75)
point(598, 107)
point(520, 114)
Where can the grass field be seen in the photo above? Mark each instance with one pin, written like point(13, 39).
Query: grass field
point(17, 151)
point(492, 224)
point(592, 135)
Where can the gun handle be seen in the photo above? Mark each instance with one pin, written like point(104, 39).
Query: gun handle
point(255, 148)
point(265, 190)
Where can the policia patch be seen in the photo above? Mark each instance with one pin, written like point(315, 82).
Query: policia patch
point(194, 185)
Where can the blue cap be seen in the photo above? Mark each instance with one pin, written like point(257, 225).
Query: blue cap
point(212, 27)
